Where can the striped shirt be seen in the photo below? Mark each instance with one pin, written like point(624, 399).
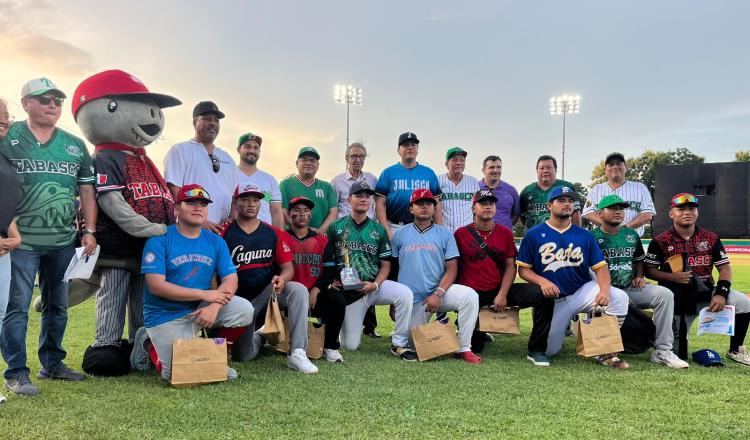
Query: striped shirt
point(634, 193)
point(456, 200)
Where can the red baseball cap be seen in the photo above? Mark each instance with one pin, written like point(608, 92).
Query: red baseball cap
point(248, 188)
point(300, 199)
point(115, 83)
point(422, 194)
point(193, 191)
point(683, 199)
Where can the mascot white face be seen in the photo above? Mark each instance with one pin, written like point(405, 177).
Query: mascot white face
point(131, 120)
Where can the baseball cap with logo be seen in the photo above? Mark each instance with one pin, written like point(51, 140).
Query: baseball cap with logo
point(610, 201)
point(683, 199)
point(482, 195)
point(248, 188)
point(112, 83)
point(299, 199)
point(614, 158)
point(308, 150)
point(407, 137)
point(207, 108)
point(422, 194)
point(192, 191)
point(40, 86)
point(249, 137)
point(561, 191)
point(358, 187)
point(707, 358)
point(455, 151)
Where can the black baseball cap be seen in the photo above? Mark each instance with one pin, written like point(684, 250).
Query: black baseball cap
point(358, 187)
point(614, 158)
point(207, 108)
point(482, 195)
point(408, 137)
point(300, 200)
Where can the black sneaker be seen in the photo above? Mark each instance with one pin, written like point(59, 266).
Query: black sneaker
point(62, 372)
point(22, 386)
point(371, 333)
point(404, 353)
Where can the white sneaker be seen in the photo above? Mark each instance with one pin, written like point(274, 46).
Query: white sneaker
point(668, 358)
point(741, 356)
point(298, 361)
point(2, 399)
point(333, 356)
point(232, 373)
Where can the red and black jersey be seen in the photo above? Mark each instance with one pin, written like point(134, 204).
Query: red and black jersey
point(142, 189)
point(480, 267)
point(703, 250)
point(257, 256)
point(310, 254)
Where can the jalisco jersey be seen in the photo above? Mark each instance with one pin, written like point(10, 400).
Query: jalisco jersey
point(49, 175)
point(367, 244)
point(562, 257)
point(124, 171)
point(319, 191)
point(456, 200)
point(621, 251)
point(534, 202)
point(310, 254)
point(704, 251)
point(396, 184)
point(479, 267)
point(257, 256)
point(634, 193)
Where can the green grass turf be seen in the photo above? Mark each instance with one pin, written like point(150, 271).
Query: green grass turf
point(374, 395)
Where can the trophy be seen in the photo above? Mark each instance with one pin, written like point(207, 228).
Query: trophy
point(349, 276)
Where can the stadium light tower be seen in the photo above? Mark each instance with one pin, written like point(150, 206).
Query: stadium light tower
point(347, 95)
point(563, 105)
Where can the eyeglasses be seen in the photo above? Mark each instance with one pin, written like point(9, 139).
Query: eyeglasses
point(215, 164)
point(684, 198)
point(45, 100)
point(357, 156)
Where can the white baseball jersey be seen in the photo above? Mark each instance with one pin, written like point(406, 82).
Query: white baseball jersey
point(456, 200)
point(634, 193)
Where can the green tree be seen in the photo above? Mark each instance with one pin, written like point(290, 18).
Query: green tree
point(742, 156)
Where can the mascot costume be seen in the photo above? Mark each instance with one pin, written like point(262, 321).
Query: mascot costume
point(120, 116)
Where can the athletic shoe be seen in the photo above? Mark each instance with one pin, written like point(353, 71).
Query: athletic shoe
point(740, 356)
point(298, 361)
point(333, 356)
point(568, 330)
point(371, 333)
point(2, 399)
point(489, 338)
point(232, 373)
point(139, 357)
point(668, 358)
point(22, 386)
point(468, 356)
point(539, 359)
point(62, 372)
point(404, 353)
point(611, 360)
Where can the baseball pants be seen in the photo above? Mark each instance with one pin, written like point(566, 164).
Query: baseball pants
point(120, 289)
point(579, 302)
point(457, 298)
point(390, 292)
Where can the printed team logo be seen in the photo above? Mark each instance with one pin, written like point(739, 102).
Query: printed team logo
point(554, 258)
point(543, 234)
point(374, 235)
point(601, 240)
point(319, 193)
point(285, 247)
point(723, 255)
point(73, 150)
point(629, 239)
point(589, 203)
point(670, 248)
point(149, 257)
point(702, 246)
point(101, 179)
point(14, 142)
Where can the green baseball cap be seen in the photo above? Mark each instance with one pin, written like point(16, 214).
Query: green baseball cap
point(249, 137)
point(610, 201)
point(308, 150)
point(455, 151)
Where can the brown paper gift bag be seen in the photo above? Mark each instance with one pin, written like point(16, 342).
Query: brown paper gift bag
point(198, 361)
point(316, 335)
point(506, 322)
point(601, 335)
point(273, 329)
point(434, 339)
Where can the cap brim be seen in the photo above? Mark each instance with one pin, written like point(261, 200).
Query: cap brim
point(43, 91)
point(247, 193)
point(410, 141)
point(309, 153)
point(423, 198)
point(695, 205)
point(624, 205)
point(163, 101)
point(307, 203)
point(197, 198)
point(482, 199)
point(457, 153)
point(369, 192)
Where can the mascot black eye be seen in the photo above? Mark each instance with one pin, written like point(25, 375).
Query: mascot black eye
point(112, 106)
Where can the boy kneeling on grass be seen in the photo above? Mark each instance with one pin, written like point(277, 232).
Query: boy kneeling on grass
point(178, 299)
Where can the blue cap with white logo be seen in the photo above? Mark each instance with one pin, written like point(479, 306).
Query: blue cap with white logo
point(707, 358)
point(561, 191)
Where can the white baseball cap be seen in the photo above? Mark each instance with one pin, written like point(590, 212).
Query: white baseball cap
point(40, 86)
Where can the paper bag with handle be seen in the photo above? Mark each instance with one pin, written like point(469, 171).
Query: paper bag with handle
point(198, 361)
point(315, 338)
point(273, 329)
point(434, 339)
point(598, 335)
point(506, 322)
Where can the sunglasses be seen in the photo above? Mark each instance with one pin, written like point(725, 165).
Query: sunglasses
point(215, 164)
point(196, 193)
point(684, 198)
point(45, 100)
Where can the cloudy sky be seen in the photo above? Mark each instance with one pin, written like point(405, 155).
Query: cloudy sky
point(651, 74)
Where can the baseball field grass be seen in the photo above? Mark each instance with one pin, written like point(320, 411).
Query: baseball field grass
point(375, 395)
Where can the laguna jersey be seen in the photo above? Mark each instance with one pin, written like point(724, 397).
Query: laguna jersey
point(621, 251)
point(310, 254)
point(704, 251)
point(562, 257)
point(534, 202)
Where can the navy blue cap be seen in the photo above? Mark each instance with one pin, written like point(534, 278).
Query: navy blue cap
point(707, 358)
point(361, 186)
point(561, 191)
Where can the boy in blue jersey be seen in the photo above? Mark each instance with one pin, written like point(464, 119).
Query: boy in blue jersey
point(428, 258)
point(179, 299)
point(557, 256)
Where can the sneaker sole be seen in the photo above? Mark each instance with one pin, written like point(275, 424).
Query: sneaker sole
point(738, 362)
point(537, 364)
point(668, 365)
point(416, 359)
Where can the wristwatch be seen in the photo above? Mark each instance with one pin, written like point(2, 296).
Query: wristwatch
point(88, 232)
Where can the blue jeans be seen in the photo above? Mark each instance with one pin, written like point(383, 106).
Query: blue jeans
point(4, 286)
point(51, 265)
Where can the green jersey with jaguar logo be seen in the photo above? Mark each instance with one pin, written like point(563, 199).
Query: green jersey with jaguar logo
point(620, 250)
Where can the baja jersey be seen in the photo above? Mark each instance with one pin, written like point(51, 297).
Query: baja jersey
point(620, 250)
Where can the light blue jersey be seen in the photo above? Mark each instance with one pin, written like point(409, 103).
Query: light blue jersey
point(422, 256)
point(396, 184)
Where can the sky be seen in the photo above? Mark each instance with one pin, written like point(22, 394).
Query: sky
point(477, 74)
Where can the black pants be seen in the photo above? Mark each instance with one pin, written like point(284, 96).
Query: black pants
point(371, 320)
point(522, 295)
point(330, 308)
